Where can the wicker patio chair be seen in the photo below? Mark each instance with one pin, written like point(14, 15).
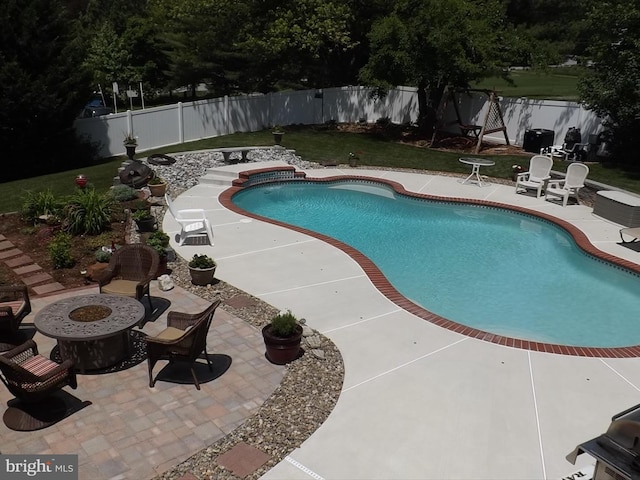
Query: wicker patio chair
point(32, 377)
point(130, 270)
point(14, 307)
point(184, 339)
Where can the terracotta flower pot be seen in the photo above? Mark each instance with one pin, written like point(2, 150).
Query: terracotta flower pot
point(282, 350)
point(158, 189)
point(202, 276)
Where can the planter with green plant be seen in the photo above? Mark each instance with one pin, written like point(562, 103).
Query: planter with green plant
point(282, 338)
point(102, 255)
point(202, 269)
point(277, 132)
point(130, 143)
point(159, 241)
point(145, 221)
point(157, 186)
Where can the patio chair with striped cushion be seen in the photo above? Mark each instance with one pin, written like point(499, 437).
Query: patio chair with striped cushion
point(32, 377)
point(14, 307)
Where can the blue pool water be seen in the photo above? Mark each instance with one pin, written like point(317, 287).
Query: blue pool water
point(490, 269)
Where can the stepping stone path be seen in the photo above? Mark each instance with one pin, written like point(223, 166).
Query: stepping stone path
point(38, 281)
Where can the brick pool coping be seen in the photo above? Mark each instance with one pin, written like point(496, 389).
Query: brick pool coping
point(389, 291)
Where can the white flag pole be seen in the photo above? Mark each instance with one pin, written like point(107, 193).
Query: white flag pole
point(115, 92)
point(142, 95)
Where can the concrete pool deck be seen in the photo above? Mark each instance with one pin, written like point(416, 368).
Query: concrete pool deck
point(420, 401)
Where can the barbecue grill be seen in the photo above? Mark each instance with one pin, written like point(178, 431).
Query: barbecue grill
point(618, 450)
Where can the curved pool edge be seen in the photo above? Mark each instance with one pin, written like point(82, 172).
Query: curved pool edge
point(381, 283)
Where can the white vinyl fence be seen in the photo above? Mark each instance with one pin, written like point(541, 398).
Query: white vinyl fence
point(188, 121)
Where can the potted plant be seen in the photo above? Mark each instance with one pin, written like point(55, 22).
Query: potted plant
point(202, 269)
point(130, 143)
point(144, 220)
point(282, 337)
point(157, 186)
point(159, 241)
point(517, 169)
point(277, 132)
point(93, 272)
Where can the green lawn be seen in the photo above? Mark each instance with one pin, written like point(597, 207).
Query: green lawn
point(552, 84)
point(315, 144)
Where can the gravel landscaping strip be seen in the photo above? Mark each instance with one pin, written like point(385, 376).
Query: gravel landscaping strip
point(311, 386)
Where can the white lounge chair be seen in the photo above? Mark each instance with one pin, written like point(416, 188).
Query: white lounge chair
point(633, 232)
point(193, 222)
point(569, 187)
point(538, 174)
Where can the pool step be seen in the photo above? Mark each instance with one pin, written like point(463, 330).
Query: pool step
point(225, 175)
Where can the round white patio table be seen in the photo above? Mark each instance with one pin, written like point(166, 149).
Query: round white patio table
point(476, 163)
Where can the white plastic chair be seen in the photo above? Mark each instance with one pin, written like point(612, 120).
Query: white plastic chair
point(538, 174)
point(193, 222)
point(576, 152)
point(569, 187)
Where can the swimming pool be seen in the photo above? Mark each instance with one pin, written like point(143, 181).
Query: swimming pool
point(488, 268)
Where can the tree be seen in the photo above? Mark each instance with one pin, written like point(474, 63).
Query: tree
point(431, 44)
point(199, 39)
point(42, 85)
point(611, 86)
point(301, 43)
point(108, 56)
point(554, 25)
point(122, 43)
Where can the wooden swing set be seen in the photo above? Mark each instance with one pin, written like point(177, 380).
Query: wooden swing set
point(493, 119)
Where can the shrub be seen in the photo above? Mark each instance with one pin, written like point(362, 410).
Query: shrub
point(88, 212)
point(102, 256)
point(98, 241)
point(156, 180)
point(139, 204)
point(36, 204)
point(202, 261)
point(159, 241)
point(284, 324)
point(60, 251)
point(123, 193)
point(141, 215)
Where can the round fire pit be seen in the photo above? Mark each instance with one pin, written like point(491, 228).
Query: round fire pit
point(92, 330)
point(90, 313)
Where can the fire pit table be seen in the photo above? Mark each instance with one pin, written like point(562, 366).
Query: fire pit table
point(91, 330)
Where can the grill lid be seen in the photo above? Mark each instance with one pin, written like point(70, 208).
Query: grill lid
point(619, 447)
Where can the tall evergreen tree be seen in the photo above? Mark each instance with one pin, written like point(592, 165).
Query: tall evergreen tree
point(42, 85)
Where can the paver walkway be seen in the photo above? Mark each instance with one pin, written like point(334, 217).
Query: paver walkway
point(131, 431)
point(32, 274)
